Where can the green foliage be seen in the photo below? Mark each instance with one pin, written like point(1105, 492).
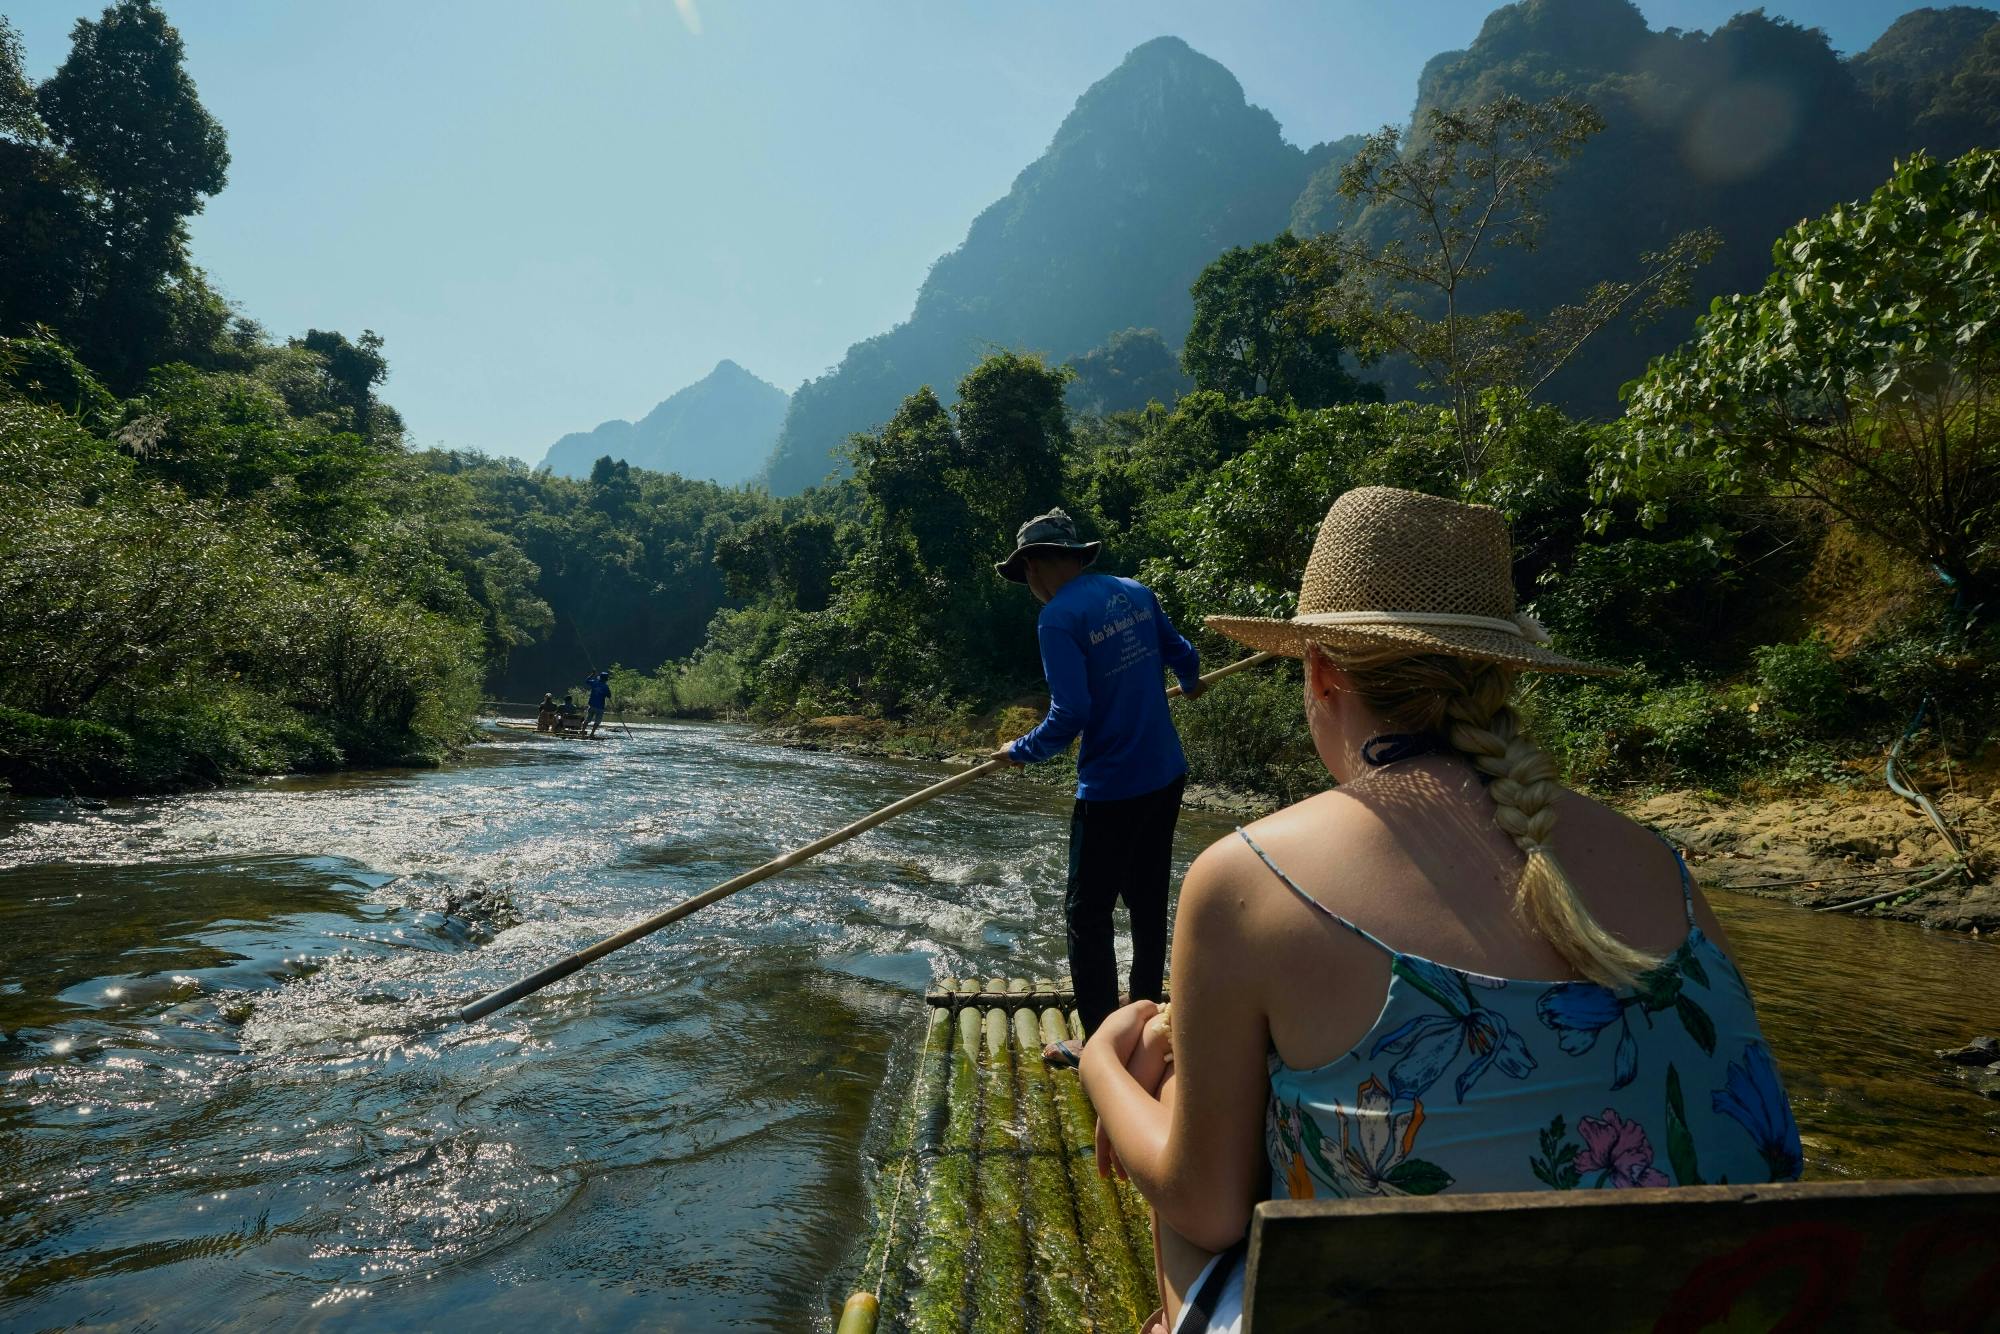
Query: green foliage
point(620, 567)
point(1244, 534)
point(59, 755)
point(1254, 333)
point(123, 154)
point(196, 583)
point(1861, 375)
point(1800, 683)
point(1254, 738)
point(43, 370)
point(1636, 728)
point(1132, 369)
point(1444, 200)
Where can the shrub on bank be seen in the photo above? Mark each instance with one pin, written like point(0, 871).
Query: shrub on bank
point(1250, 735)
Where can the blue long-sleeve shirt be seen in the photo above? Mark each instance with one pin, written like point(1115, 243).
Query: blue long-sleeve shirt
point(600, 691)
point(1104, 640)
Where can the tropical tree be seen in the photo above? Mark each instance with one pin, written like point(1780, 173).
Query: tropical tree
point(1255, 335)
point(1444, 202)
point(1862, 375)
point(353, 369)
point(124, 113)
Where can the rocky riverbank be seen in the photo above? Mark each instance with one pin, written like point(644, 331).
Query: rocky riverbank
point(1821, 850)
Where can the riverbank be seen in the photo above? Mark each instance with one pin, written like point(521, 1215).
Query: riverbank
point(1815, 850)
point(1837, 847)
point(195, 749)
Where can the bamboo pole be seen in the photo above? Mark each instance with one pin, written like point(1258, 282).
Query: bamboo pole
point(1000, 1282)
point(1123, 1272)
point(943, 1260)
point(1138, 1214)
point(555, 972)
point(1060, 1273)
point(915, 1144)
point(562, 968)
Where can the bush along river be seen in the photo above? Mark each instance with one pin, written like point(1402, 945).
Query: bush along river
point(235, 1096)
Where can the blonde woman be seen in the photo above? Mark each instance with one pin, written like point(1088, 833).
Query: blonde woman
point(1449, 973)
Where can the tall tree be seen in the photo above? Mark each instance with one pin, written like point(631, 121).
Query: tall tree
point(123, 109)
point(1254, 332)
point(353, 369)
point(1468, 184)
point(18, 118)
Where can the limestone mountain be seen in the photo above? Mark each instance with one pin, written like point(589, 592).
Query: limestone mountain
point(718, 429)
point(1745, 129)
point(1160, 167)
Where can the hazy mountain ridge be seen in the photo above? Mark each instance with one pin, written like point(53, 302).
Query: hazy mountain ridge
point(719, 429)
point(1745, 129)
point(1163, 164)
point(1160, 167)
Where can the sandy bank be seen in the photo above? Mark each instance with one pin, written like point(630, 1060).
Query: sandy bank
point(1839, 847)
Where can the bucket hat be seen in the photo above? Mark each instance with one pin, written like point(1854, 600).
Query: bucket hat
point(1054, 531)
point(1400, 569)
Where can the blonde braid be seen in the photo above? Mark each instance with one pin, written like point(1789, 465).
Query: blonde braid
point(1432, 693)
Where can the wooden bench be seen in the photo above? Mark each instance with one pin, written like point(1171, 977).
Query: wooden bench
point(1861, 1256)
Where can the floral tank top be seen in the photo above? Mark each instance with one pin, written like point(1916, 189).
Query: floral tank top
point(1474, 1083)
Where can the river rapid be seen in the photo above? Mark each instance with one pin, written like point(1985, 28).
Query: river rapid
point(235, 1096)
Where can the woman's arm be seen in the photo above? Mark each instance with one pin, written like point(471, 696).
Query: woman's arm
point(1198, 1165)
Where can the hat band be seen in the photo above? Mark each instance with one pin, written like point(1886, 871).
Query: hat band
point(1522, 625)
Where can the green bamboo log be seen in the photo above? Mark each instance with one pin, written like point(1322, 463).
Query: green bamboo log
point(999, 1282)
point(1125, 1284)
point(1059, 1273)
point(900, 1184)
point(1132, 1205)
point(944, 1250)
point(859, 1315)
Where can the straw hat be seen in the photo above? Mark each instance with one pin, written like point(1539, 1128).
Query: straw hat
point(1399, 569)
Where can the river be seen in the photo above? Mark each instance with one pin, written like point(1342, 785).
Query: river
point(234, 1097)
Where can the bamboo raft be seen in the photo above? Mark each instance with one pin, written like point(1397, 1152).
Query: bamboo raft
point(990, 1216)
point(533, 730)
point(989, 1212)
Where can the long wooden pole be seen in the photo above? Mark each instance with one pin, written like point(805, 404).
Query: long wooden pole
point(562, 968)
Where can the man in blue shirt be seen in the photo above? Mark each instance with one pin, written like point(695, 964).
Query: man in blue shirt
point(599, 686)
point(1104, 643)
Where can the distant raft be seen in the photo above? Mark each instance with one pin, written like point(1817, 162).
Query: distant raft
point(531, 730)
point(989, 1213)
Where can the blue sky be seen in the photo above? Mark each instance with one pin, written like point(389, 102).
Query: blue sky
point(559, 213)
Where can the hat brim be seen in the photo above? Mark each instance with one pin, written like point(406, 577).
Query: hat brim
point(1289, 639)
point(1015, 567)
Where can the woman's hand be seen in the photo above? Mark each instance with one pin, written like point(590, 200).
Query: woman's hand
point(1113, 1047)
point(1118, 1036)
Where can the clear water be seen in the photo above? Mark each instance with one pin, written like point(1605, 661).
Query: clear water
point(235, 1097)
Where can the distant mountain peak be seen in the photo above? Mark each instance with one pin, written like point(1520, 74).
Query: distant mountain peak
point(718, 429)
point(1160, 166)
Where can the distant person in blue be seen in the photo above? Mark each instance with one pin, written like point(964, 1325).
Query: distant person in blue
point(599, 686)
point(1104, 644)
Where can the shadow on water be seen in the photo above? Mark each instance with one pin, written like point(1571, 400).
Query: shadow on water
point(236, 1095)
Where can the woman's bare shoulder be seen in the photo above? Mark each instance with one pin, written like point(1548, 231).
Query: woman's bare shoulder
point(1240, 869)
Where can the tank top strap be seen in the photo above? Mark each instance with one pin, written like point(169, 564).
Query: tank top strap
point(1687, 877)
point(1308, 899)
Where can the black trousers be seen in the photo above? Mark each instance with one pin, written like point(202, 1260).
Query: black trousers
point(1120, 850)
